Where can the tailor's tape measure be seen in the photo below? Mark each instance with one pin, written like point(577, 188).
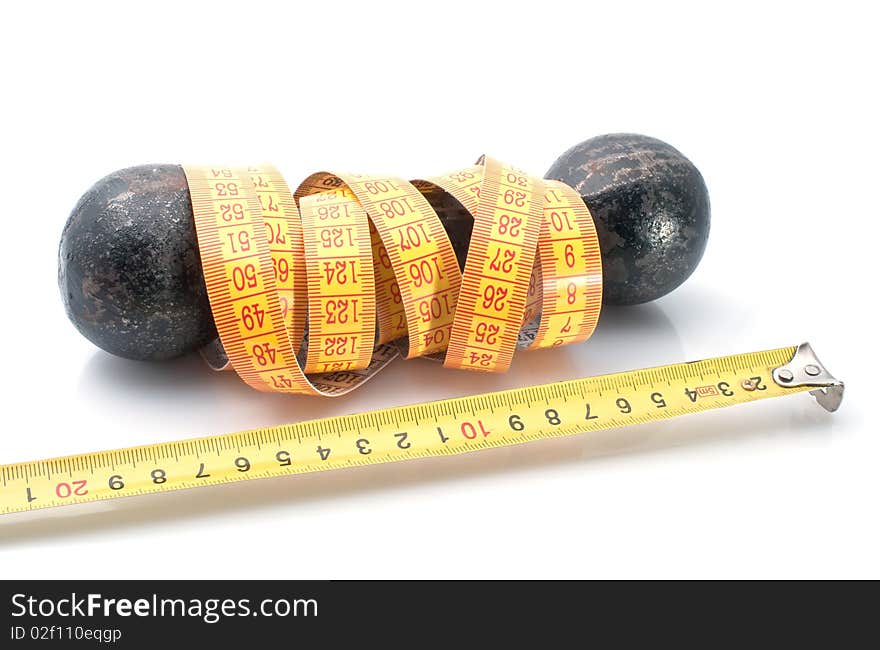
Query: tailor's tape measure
point(315, 292)
point(440, 428)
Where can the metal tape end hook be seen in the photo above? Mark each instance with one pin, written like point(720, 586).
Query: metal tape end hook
point(805, 369)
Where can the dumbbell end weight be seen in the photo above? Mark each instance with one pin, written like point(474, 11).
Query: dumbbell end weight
point(651, 210)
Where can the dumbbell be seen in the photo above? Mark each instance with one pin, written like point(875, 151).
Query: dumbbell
point(131, 278)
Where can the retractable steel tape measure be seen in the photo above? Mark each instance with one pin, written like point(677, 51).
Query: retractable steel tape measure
point(440, 428)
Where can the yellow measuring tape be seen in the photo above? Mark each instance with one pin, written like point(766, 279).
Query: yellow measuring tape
point(315, 292)
point(440, 428)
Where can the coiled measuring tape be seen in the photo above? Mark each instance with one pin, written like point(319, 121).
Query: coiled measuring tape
point(440, 428)
point(316, 291)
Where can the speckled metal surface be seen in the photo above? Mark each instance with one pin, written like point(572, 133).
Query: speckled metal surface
point(129, 269)
point(456, 220)
point(651, 208)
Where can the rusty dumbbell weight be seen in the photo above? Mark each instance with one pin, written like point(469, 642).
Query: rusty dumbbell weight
point(131, 278)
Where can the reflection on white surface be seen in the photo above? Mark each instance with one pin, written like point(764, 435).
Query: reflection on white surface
point(796, 417)
point(185, 397)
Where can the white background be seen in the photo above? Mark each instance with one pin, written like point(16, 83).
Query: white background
point(777, 106)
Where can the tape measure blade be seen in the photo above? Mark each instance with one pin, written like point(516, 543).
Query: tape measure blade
point(441, 428)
